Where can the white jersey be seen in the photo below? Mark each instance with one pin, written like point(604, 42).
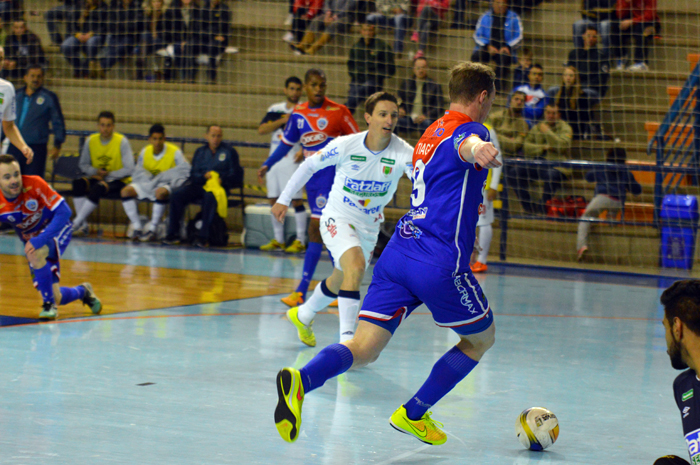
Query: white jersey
point(276, 138)
point(494, 178)
point(364, 183)
point(7, 101)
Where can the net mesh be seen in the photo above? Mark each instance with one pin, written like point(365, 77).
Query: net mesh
point(187, 64)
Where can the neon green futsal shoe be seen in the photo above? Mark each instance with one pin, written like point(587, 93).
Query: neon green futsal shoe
point(290, 391)
point(425, 430)
point(274, 244)
point(306, 333)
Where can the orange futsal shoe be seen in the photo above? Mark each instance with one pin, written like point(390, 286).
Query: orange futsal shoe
point(293, 300)
point(479, 267)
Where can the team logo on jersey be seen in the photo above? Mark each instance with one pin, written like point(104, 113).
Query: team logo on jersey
point(366, 188)
point(40, 101)
point(11, 219)
point(408, 230)
point(686, 412)
point(687, 395)
point(459, 140)
point(31, 205)
point(330, 154)
point(222, 156)
point(387, 170)
point(321, 201)
point(322, 123)
point(355, 167)
point(482, 209)
point(313, 138)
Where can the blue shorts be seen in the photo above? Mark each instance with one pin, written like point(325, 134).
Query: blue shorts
point(57, 246)
point(318, 198)
point(401, 283)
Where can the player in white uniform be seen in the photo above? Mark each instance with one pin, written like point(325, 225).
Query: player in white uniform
point(368, 168)
point(274, 121)
point(8, 112)
point(486, 217)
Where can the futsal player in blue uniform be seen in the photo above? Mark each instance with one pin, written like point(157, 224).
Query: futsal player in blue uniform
point(426, 261)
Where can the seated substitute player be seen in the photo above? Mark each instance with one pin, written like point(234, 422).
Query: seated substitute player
point(315, 124)
point(426, 261)
point(107, 162)
point(486, 216)
point(274, 121)
point(681, 322)
point(41, 219)
point(368, 166)
point(161, 167)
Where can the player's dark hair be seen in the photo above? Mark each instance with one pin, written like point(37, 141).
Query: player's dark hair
point(518, 92)
point(682, 301)
point(314, 72)
point(292, 80)
point(213, 126)
point(468, 80)
point(526, 52)
point(590, 27)
point(7, 159)
point(538, 66)
point(106, 114)
point(419, 59)
point(616, 155)
point(156, 129)
point(34, 66)
point(377, 97)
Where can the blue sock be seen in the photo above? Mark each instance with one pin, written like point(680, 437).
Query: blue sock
point(452, 368)
point(43, 281)
point(71, 294)
point(311, 258)
point(332, 361)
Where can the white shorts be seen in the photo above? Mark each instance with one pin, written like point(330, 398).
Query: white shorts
point(148, 191)
point(487, 217)
point(278, 177)
point(339, 237)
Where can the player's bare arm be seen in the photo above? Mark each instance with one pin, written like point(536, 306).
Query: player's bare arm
point(475, 150)
point(12, 133)
point(268, 127)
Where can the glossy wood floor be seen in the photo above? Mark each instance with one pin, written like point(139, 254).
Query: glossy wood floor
point(189, 377)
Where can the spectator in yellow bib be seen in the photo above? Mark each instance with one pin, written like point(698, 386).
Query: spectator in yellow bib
point(107, 163)
point(161, 167)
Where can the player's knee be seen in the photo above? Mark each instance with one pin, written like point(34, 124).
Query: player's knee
point(162, 195)
point(126, 192)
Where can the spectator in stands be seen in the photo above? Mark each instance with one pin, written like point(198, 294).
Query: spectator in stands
point(497, 35)
point(11, 10)
point(638, 19)
point(212, 158)
point(393, 13)
point(592, 64)
point(421, 98)
point(153, 37)
point(22, 48)
point(371, 61)
point(185, 30)
point(548, 140)
point(459, 14)
point(573, 103)
point(611, 188)
point(510, 126)
point(303, 11)
point(430, 12)
point(126, 25)
point(522, 7)
point(598, 14)
point(38, 115)
point(68, 12)
point(522, 71)
point(337, 18)
point(90, 29)
point(534, 95)
point(160, 169)
point(218, 21)
point(107, 162)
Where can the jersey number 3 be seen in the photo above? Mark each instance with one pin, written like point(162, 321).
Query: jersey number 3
point(418, 194)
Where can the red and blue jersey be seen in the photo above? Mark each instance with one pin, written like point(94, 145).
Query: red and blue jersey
point(33, 209)
point(448, 194)
point(315, 128)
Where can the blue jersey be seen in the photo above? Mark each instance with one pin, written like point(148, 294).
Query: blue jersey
point(315, 128)
point(447, 197)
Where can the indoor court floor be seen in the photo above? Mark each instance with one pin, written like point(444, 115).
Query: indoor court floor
point(180, 367)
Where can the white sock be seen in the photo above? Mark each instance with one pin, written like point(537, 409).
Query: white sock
point(78, 203)
point(132, 211)
point(317, 302)
point(157, 214)
point(301, 217)
point(278, 229)
point(348, 308)
point(485, 236)
point(84, 212)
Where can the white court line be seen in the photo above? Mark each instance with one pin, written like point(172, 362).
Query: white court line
point(405, 455)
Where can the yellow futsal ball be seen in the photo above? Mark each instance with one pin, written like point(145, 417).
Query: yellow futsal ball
point(537, 428)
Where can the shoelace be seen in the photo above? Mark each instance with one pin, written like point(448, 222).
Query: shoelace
point(427, 419)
